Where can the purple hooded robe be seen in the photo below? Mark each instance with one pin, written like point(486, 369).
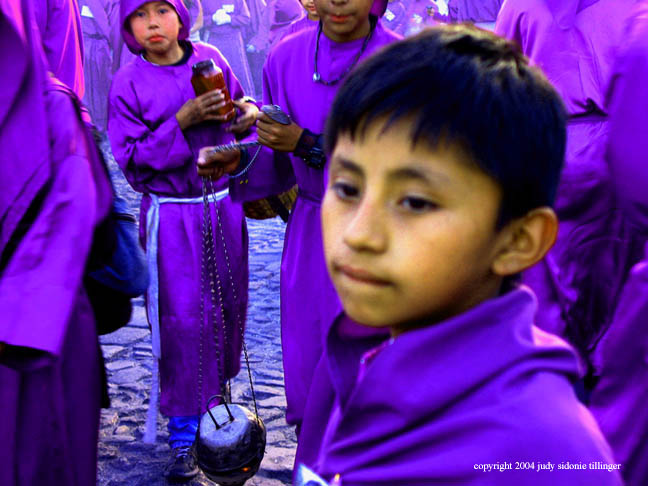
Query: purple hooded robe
point(301, 24)
point(228, 38)
point(52, 196)
point(60, 27)
point(574, 43)
point(158, 159)
point(619, 399)
point(473, 10)
point(308, 299)
point(98, 47)
point(430, 406)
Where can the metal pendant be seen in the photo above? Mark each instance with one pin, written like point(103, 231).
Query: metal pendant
point(316, 77)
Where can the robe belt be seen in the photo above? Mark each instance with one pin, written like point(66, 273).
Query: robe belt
point(152, 232)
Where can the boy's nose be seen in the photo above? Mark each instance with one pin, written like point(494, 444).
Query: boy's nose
point(365, 231)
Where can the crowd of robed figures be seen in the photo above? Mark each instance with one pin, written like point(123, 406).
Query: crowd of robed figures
point(590, 287)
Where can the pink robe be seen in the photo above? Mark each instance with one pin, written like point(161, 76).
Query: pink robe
point(619, 399)
point(574, 43)
point(50, 372)
point(60, 27)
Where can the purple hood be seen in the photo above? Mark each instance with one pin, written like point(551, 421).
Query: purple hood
point(378, 8)
point(127, 7)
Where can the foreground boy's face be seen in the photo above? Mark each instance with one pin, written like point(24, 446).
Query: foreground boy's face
point(409, 235)
point(155, 26)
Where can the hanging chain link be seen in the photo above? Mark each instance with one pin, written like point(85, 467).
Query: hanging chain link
point(210, 271)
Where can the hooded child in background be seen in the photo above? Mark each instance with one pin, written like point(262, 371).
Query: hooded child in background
point(156, 126)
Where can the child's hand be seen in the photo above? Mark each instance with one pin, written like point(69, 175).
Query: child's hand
point(246, 119)
point(279, 137)
point(202, 108)
point(215, 164)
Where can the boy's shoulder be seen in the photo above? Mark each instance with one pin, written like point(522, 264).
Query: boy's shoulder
point(293, 44)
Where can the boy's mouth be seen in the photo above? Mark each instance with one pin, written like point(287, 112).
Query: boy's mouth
point(156, 38)
point(360, 275)
point(339, 19)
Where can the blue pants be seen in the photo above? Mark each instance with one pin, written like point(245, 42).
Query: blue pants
point(182, 430)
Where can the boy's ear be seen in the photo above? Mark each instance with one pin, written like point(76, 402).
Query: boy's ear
point(526, 241)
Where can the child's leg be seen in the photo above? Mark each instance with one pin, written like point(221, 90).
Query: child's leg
point(182, 430)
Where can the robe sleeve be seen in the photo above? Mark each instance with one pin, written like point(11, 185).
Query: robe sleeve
point(141, 150)
point(628, 144)
point(271, 172)
point(42, 279)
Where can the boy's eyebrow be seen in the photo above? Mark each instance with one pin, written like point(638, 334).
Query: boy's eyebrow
point(347, 164)
point(416, 172)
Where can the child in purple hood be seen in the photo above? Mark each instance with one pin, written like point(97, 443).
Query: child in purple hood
point(156, 126)
point(429, 215)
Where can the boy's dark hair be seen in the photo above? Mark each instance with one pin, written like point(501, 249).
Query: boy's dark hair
point(464, 85)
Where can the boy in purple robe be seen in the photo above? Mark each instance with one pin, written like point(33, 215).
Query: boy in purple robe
point(311, 19)
point(574, 42)
point(618, 401)
point(156, 126)
point(302, 75)
point(60, 29)
point(429, 215)
point(224, 23)
point(52, 197)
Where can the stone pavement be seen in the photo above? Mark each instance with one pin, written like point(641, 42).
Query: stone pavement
point(124, 460)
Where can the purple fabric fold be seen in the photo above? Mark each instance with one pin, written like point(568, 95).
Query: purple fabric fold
point(429, 406)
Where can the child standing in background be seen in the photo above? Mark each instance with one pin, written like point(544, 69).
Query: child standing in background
point(156, 127)
point(224, 21)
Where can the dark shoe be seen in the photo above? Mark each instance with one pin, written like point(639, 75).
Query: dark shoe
point(182, 466)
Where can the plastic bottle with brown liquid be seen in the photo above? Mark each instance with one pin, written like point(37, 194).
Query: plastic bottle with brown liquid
point(207, 76)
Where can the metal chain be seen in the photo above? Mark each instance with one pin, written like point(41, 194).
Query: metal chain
point(210, 269)
point(209, 248)
point(235, 297)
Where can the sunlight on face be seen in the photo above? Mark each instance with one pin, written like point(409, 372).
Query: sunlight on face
point(409, 235)
point(155, 26)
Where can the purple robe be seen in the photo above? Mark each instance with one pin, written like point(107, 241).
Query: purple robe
point(97, 67)
point(158, 159)
point(619, 398)
point(473, 10)
point(431, 405)
point(50, 372)
point(308, 299)
point(228, 38)
point(574, 43)
point(60, 27)
point(278, 16)
point(396, 17)
point(301, 24)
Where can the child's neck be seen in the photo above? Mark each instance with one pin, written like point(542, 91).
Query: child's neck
point(166, 58)
point(359, 33)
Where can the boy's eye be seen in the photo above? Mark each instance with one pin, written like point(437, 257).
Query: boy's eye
point(417, 204)
point(163, 10)
point(345, 191)
point(140, 14)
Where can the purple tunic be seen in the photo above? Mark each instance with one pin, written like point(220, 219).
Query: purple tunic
point(158, 158)
point(50, 373)
point(97, 67)
point(574, 42)
point(308, 299)
point(228, 38)
point(473, 10)
point(301, 24)
point(60, 28)
point(431, 405)
point(619, 399)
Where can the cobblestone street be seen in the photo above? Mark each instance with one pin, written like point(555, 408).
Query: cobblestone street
point(124, 460)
